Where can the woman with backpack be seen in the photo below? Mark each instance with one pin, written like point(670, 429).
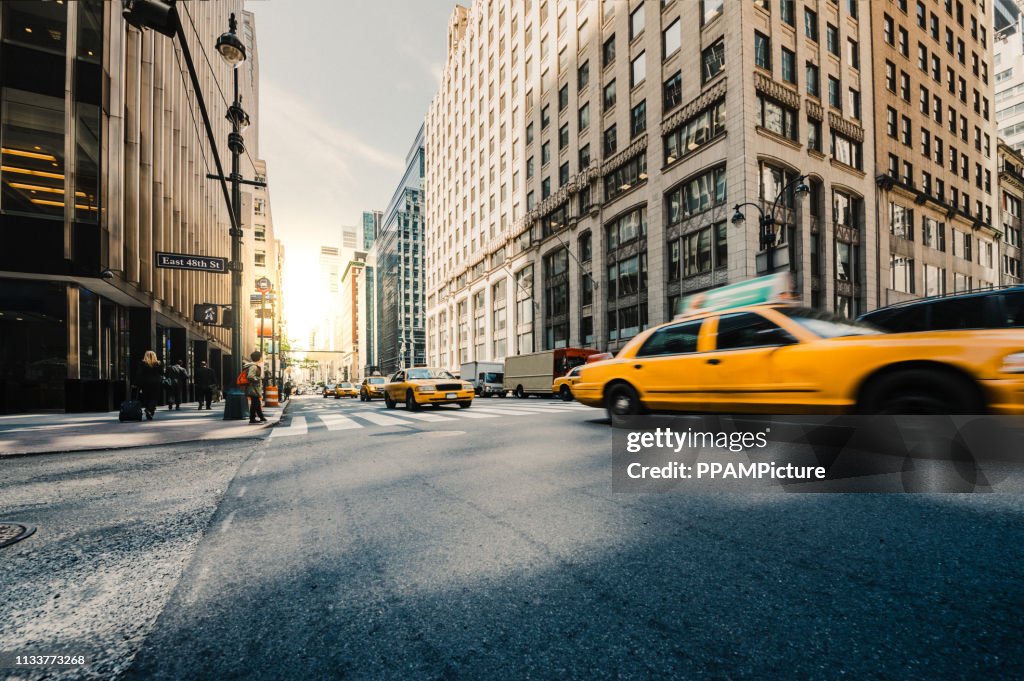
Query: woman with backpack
point(253, 375)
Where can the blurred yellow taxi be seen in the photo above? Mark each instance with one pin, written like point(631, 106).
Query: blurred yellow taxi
point(783, 359)
point(345, 389)
point(372, 386)
point(563, 385)
point(421, 385)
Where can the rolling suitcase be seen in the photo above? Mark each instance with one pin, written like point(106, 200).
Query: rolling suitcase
point(131, 410)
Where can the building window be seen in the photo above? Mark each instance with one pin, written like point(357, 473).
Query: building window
point(609, 95)
point(832, 39)
point(787, 11)
point(33, 164)
point(584, 157)
point(637, 70)
point(626, 229)
point(762, 51)
point(788, 66)
point(563, 136)
point(545, 116)
point(638, 119)
point(814, 135)
point(610, 141)
point(901, 221)
point(813, 83)
point(901, 274)
point(709, 10)
point(712, 61)
point(694, 133)
point(583, 76)
point(584, 116)
point(625, 177)
point(671, 39)
point(636, 22)
point(563, 174)
point(563, 97)
point(847, 151)
point(699, 252)
point(672, 92)
point(696, 195)
point(776, 117)
point(608, 52)
point(811, 24)
point(545, 153)
point(260, 258)
point(835, 99)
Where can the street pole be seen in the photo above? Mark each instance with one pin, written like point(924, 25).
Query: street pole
point(273, 340)
point(263, 315)
point(235, 405)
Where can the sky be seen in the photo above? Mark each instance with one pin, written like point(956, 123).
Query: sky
point(344, 87)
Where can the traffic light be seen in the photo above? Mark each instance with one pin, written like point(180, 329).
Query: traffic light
point(206, 313)
point(227, 317)
point(155, 14)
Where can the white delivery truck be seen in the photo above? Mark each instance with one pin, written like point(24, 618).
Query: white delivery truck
point(533, 374)
point(486, 377)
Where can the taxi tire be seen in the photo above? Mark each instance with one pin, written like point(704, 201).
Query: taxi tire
point(410, 401)
point(465, 405)
point(628, 399)
point(388, 402)
point(565, 394)
point(920, 391)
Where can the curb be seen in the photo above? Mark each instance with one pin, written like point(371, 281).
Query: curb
point(270, 424)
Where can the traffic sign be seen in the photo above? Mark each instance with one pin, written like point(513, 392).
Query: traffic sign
point(200, 263)
point(263, 284)
point(206, 313)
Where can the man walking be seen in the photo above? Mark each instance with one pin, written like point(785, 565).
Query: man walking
point(205, 379)
point(179, 379)
point(254, 387)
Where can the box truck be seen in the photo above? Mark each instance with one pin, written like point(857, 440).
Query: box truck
point(486, 377)
point(533, 374)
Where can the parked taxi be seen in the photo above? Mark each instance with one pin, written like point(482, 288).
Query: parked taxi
point(345, 389)
point(422, 385)
point(563, 384)
point(771, 357)
point(371, 387)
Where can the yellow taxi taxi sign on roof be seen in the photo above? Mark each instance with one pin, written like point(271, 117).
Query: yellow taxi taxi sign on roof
point(773, 288)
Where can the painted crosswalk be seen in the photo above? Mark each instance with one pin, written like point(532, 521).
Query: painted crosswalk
point(318, 416)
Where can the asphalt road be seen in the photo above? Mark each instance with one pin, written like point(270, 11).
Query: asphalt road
point(361, 543)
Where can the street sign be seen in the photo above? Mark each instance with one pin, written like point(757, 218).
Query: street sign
point(201, 263)
point(206, 313)
point(263, 284)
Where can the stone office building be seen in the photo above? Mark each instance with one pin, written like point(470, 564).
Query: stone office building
point(103, 165)
point(583, 161)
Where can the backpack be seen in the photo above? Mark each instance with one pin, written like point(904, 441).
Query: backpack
point(243, 378)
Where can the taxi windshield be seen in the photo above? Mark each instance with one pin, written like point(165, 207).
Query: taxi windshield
point(344, 385)
point(826, 324)
point(376, 379)
point(428, 373)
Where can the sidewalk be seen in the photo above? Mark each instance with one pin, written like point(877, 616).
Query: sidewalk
point(46, 433)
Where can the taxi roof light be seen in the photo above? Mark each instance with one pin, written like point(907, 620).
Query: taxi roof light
point(771, 289)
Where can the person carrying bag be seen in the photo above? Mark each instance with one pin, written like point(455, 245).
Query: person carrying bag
point(251, 379)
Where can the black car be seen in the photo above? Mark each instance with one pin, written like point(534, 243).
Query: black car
point(1001, 308)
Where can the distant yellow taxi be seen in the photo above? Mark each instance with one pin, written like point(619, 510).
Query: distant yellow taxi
point(372, 386)
point(345, 389)
point(421, 385)
point(563, 384)
point(783, 359)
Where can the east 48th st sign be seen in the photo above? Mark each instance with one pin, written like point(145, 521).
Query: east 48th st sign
point(181, 261)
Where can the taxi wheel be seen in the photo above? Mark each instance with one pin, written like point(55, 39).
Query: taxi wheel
point(921, 391)
point(410, 402)
point(388, 402)
point(465, 405)
point(565, 394)
point(622, 400)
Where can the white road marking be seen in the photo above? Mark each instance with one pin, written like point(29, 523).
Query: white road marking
point(241, 492)
point(502, 411)
point(380, 419)
point(227, 522)
point(298, 427)
point(424, 417)
point(338, 422)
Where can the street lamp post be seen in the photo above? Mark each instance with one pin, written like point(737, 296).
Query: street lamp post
point(162, 16)
point(767, 222)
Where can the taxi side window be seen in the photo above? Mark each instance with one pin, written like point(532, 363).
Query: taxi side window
point(749, 330)
point(1013, 310)
point(677, 339)
point(959, 313)
point(397, 378)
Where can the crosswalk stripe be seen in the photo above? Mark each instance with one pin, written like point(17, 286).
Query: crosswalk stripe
point(502, 412)
point(338, 422)
point(424, 417)
point(297, 427)
point(379, 419)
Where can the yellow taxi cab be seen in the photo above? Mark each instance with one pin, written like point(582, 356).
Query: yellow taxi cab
point(563, 384)
point(763, 356)
point(345, 389)
point(372, 386)
point(421, 385)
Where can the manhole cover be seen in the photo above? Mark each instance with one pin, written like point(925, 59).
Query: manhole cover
point(13, 532)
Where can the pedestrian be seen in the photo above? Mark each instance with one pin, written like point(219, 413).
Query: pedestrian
point(288, 387)
point(178, 379)
point(205, 379)
point(150, 382)
point(254, 389)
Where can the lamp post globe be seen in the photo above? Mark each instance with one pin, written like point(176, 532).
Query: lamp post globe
point(229, 46)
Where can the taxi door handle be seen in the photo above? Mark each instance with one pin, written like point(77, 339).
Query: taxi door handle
point(638, 366)
point(714, 361)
